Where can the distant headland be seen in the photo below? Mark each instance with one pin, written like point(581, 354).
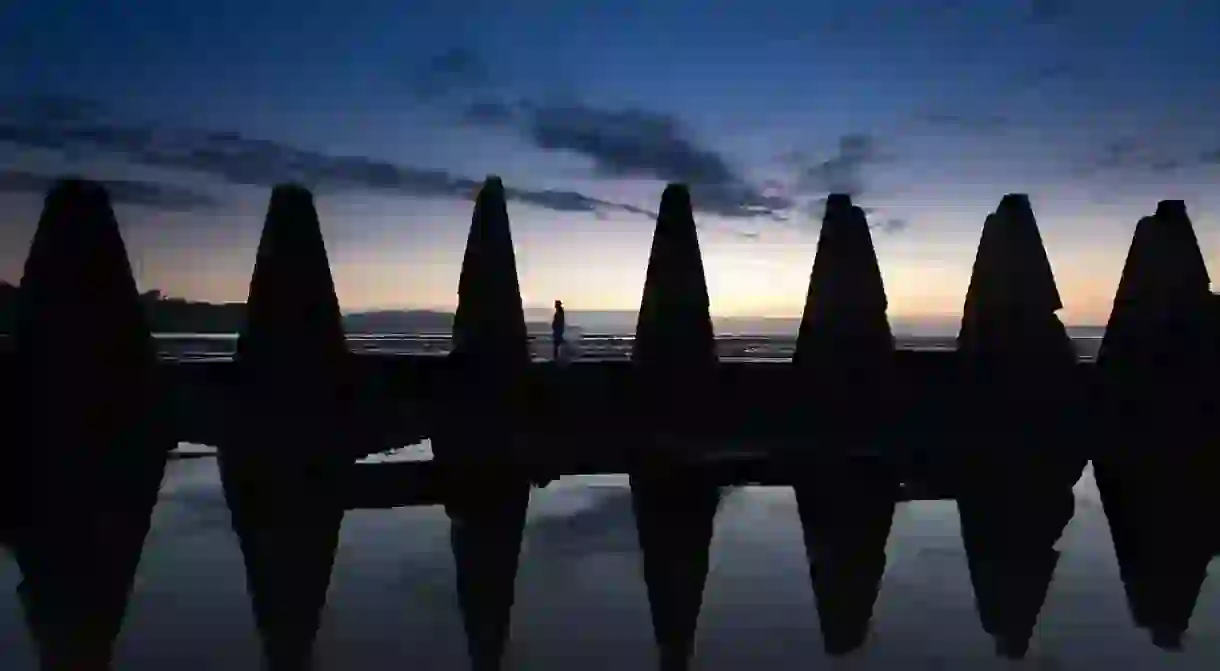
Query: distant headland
point(168, 314)
point(177, 315)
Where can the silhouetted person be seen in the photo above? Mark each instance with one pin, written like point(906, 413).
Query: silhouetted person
point(284, 461)
point(1015, 491)
point(488, 495)
point(844, 493)
point(674, 360)
point(1157, 367)
point(557, 327)
point(92, 430)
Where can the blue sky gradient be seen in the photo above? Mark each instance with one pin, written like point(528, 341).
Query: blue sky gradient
point(927, 112)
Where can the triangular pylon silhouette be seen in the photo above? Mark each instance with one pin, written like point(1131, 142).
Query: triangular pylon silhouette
point(1015, 495)
point(1157, 365)
point(93, 435)
point(487, 497)
point(674, 356)
point(845, 495)
point(284, 466)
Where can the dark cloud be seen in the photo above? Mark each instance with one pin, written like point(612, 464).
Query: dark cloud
point(740, 201)
point(240, 160)
point(96, 137)
point(893, 225)
point(455, 70)
point(117, 138)
point(1136, 154)
point(159, 195)
point(621, 143)
point(842, 172)
point(752, 236)
point(815, 210)
point(571, 201)
point(628, 143)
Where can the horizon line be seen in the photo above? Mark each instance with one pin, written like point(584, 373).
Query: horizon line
point(926, 318)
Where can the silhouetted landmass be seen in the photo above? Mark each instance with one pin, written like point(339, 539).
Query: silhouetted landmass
point(488, 496)
point(1016, 490)
point(846, 497)
point(164, 315)
point(177, 315)
point(1157, 367)
point(90, 446)
point(283, 468)
point(674, 357)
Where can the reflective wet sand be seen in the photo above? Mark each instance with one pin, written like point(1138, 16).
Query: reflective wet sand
point(581, 601)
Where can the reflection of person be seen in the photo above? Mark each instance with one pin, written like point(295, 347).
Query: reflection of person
point(557, 326)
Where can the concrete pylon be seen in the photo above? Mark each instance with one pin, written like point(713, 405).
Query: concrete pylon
point(845, 495)
point(11, 457)
point(674, 356)
point(489, 325)
point(845, 307)
point(284, 465)
point(1157, 366)
point(93, 435)
point(1015, 489)
point(488, 494)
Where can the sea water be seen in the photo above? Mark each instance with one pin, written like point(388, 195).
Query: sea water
point(583, 347)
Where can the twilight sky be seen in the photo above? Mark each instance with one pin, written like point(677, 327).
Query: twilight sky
point(927, 111)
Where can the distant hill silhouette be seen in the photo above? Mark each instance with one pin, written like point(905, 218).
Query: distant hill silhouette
point(178, 315)
point(165, 315)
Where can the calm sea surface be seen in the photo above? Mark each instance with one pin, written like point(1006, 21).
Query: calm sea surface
point(587, 346)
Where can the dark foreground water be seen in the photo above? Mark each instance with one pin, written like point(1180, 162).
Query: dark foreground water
point(581, 600)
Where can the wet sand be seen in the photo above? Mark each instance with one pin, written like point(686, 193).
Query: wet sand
point(581, 600)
